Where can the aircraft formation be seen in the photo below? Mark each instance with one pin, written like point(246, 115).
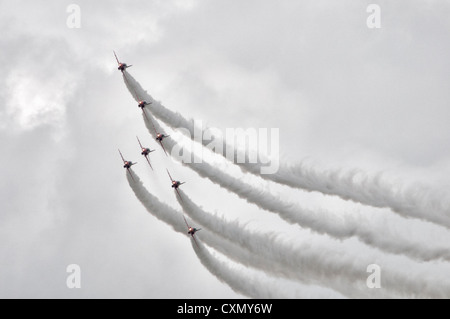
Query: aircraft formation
point(328, 266)
point(145, 151)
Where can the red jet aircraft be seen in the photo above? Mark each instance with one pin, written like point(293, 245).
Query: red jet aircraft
point(175, 184)
point(145, 152)
point(191, 230)
point(159, 138)
point(122, 66)
point(127, 165)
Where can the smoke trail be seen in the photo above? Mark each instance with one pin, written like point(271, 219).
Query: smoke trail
point(319, 220)
point(174, 120)
point(376, 190)
point(414, 201)
point(174, 218)
point(319, 263)
point(316, 261)
point(243, 282)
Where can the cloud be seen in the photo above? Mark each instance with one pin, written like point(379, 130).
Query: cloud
point(340, 93)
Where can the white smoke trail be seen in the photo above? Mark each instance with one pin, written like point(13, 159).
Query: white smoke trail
point(246, 283)
point(376, 190)
point(174, 120)
point(174, 218)
point(307, 267)
point(320, 220)
point(413, 201)
point(321, 264)
point(438, 293)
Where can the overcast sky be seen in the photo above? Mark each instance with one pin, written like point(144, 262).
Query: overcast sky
point(342, 95)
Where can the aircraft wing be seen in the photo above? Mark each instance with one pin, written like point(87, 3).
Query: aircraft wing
point(169, 175)
point(139, 142)
point(160, 142)
point(129, 172)
point(193, 237)
point(187, 225)
point(148, 161)
point(116, 57)
point(179, 194)
point(121, 156)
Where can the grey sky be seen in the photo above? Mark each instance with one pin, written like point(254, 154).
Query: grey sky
point(343, 95)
